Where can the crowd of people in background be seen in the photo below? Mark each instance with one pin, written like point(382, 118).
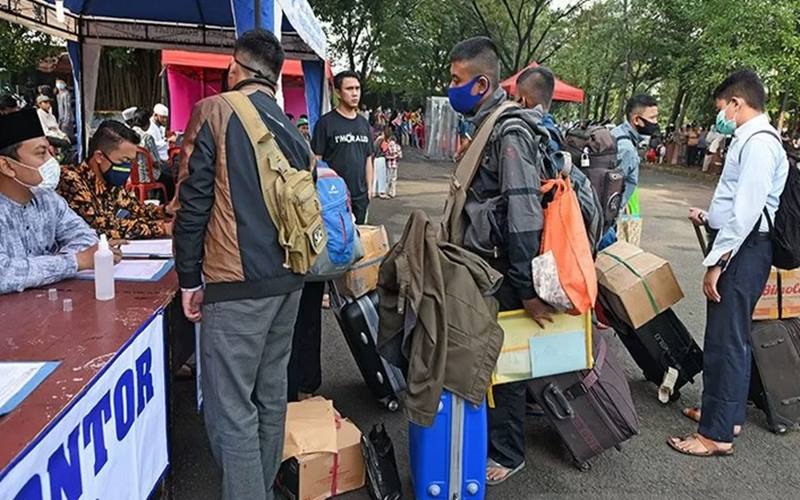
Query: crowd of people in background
point(408, 127)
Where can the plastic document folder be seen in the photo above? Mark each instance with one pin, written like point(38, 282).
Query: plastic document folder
point(144, 270)
point(530, 351)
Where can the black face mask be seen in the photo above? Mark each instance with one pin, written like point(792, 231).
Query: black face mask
point(649, 128)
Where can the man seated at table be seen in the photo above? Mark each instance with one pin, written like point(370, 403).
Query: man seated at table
point(41, 239)
point(95, 189)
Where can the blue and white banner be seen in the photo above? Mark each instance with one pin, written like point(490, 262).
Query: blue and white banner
point(111, 442)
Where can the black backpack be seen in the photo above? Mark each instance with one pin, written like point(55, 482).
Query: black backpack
point(785, 230)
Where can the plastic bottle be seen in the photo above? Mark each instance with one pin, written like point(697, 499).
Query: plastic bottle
point(103, 271)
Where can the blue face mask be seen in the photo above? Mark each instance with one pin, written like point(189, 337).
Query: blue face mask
point(461, 97)
point(118, 174)
point(723, 124)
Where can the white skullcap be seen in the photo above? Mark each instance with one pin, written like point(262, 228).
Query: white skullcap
point(128, 113)
point(160, 109)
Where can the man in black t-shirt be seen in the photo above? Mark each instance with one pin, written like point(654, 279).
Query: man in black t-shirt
point(342, 138)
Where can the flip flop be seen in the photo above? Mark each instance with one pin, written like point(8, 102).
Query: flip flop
point(694, 413)
point(491, 464)
point(712, 450)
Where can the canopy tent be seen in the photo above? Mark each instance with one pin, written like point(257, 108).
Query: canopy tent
point(192, 76)
point(562, 92)
point(209, 25)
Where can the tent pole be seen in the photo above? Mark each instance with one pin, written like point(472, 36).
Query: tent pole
point(257, 12)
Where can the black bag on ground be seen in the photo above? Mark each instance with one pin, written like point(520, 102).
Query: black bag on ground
point(359, 323)
point(593, 409)
point(658, 345)
point(383, 479)
point(775, 380)
point(594, 149)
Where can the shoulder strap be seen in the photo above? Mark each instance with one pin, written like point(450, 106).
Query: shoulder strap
point(770, 132)
point(261, 138)
point(468, 166)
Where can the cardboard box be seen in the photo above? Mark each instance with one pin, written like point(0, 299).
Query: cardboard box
point(316, 444)
point(780, 301)
point(636, 285)
point(362, 278)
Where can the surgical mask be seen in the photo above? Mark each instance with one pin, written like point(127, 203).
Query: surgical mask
point(50, 172)
point(723, 124)
point(61, 85)
point(118, 174)
point(649, 128)
point(461, 97)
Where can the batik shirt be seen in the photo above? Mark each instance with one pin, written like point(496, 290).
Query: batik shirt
point(39, 240)
point(110, 210)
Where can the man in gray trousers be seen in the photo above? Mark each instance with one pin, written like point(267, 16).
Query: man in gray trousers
point(231, 273)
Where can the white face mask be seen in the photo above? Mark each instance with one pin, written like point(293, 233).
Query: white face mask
point(61, 86)
point(50, 171)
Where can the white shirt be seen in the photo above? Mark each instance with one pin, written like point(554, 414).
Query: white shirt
point(746, 188)
point(156, 131)
point(50, 124)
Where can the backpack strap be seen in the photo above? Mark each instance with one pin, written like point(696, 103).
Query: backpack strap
point(469, 164)
point(769, 132)
point(268, 155)
point(626, 137)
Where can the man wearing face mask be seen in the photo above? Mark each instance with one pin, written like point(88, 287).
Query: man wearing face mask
point(504, 195)
point(641, 119)
point(739, 261)
point(42, 240)
point(95, 189)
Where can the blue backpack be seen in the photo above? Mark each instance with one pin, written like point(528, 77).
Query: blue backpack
point(337, 218)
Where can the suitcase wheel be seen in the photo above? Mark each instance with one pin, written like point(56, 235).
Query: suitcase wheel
point(778, 429)
point(392, 405)
point(676, 395)
point(583, 466)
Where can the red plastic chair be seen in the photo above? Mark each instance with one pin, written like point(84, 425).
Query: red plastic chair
point(173, 160)
point(142, 189)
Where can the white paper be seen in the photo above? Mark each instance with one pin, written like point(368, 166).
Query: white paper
point(148, 248)
point(14, 376)
point(134, 270)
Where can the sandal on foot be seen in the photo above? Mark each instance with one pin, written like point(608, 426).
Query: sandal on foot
point(694, 414)
point(491, 464)
point(711, 448)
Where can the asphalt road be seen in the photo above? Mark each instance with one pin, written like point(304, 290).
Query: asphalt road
point(765, 466)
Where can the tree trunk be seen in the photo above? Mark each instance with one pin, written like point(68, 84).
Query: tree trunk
point(587, 101)
point(784, 101)
point(604, 110)
point(676, 107)
point(687, 99)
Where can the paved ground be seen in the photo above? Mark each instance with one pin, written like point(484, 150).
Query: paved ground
point(765, 466)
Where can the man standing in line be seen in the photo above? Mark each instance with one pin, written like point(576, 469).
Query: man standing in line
point(739, 262)
point(343, 139)
point(231, 272)
point(509, 174)
point(66, 117)
point(535, 87)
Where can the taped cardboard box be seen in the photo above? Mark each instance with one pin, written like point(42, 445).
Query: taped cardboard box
point(781, 296)
point(362, 278)
point(636, 285)
point(322, 453)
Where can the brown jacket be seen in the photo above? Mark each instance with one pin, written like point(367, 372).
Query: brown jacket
point(438, 317)
point(224, 235)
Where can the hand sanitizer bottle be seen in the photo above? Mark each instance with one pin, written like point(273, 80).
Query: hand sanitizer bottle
point(103, 271)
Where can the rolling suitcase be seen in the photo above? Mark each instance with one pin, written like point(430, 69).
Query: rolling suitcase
point(448, 459)
point(664, 350)
point(775, 380)
point(359, 322)
point(592, 410)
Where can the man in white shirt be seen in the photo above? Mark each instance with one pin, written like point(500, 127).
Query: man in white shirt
point(158, 124)
point(44, 108)
point(739, 261)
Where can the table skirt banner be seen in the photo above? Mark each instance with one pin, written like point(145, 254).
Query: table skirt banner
point(111, 441)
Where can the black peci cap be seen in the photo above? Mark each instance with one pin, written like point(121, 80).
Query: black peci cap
point(19, 126)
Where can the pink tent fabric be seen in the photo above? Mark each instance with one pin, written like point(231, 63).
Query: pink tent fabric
point(191, 76)
point(562, 92)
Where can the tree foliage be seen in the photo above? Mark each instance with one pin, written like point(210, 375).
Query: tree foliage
point(21, 50)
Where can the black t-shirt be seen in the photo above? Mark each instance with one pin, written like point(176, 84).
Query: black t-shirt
point(345, 144)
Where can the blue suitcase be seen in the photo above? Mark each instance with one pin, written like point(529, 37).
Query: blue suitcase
point(448, 459)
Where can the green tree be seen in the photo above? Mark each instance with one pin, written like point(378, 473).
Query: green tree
point(21, 50)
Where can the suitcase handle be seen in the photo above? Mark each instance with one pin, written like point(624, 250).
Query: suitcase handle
point(774, 343)
point(557, 402)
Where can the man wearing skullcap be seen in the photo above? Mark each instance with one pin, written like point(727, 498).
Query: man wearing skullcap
point(158, 124)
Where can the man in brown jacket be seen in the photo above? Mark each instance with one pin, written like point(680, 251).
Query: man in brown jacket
point(231, 272)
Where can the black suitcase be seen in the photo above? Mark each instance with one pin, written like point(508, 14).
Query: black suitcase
point(658, 345)
point(359, 322)
point(775, 380)
point(593, 409)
